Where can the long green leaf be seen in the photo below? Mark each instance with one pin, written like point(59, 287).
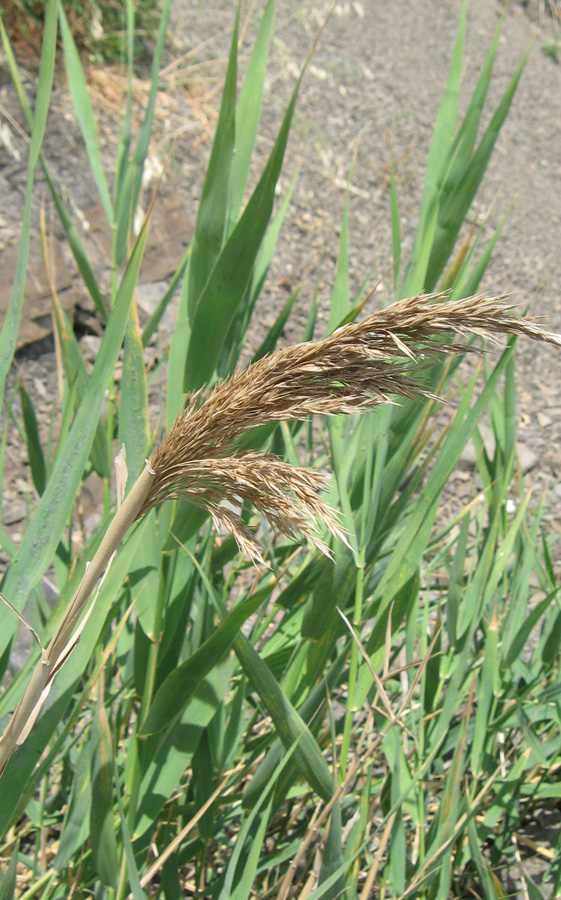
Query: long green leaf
point(129, 185)
point(22, 773)
point(407, 554)
point(174, 753)
point(341, 295)
point(102, 823)
point(213, 207)
point(75, 828)
point(134, 426)
point(248, 111)
point(84, 112)
point(52, 513)
point(10, 328)
point(70, 230)
point(181, 684)
point(34, 449)
point(290, 728)
point(441, 142)
point(225, 288)
point(455, 207)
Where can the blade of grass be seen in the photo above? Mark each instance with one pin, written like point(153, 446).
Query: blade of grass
point(84, 112)
point(454, 208)
point(210, 227)
point(341, 296)
point(396, 234)
point(70, 230)
point(441, 142)
point(248, 112)
point(10, 328)
point(167, 766)
point(102, 823)
point(34, 449)
point(220, 299)
point(129, 185)
point(134, 426)
point(50, 518)
point(180, 685)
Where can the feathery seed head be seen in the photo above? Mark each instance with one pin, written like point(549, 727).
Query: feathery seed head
point(356, 368)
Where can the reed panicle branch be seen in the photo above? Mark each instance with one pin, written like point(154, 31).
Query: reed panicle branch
point(357, 368)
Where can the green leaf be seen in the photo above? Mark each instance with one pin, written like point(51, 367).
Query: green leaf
point(22, 773)
point(213, 206)
point(34, 449)
point(236, 336)
point(76, 824)
point(78, 380)
point(10, 328)
point(8, 880)
point(134, 427)
point(51, 515)
point(333, 859)
point(248, 111)
point(408, 551)
point(454, 207)
point(84, 112)
point(102, 820)
point(289, 726)
point(181, 684)
point(155, 318)
point(70, 230)
point(227, 283)
point(269, 343)
point(130, 182)
point(514, 648)
point(133, 875)
point(249, 847)
point(125, 132)
point(175, 751)
point(441, 142)
point(396, 235)
point(341, 295)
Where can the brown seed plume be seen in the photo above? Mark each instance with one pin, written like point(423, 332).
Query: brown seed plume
point(358, 367)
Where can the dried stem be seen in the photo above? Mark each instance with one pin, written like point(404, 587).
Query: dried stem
point(30, 704)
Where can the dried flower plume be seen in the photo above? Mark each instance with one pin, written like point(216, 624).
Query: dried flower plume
point(356, 368)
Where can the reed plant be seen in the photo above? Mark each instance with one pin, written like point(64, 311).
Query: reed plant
point(218, 707)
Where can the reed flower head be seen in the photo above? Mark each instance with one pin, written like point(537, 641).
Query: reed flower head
point(358, 367)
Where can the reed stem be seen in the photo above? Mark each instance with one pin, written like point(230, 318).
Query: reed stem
point(29, 706)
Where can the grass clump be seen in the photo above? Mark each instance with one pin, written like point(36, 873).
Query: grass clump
point(358, 713)
point(98, 28)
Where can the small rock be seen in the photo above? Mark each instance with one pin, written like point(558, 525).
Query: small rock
point(526, 457)
point(543, 420)
point(90, 345)
point(147, 298)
